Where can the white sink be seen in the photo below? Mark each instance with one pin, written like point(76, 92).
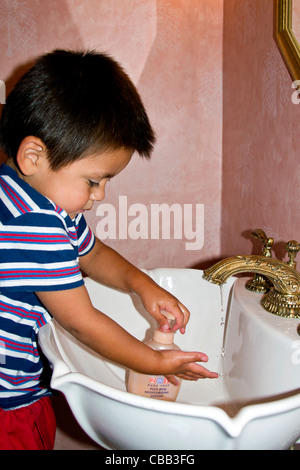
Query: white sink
point(254, 404)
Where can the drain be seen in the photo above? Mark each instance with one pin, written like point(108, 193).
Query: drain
point(298, 329)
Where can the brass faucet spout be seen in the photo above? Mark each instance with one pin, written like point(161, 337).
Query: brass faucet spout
point(284, 277)
point(283, 299)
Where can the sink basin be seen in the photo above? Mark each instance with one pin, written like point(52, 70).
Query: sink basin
point(254, 404)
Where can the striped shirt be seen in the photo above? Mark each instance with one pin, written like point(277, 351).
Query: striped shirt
point(39, 251)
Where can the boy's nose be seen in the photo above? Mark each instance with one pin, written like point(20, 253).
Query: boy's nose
point(98, 194)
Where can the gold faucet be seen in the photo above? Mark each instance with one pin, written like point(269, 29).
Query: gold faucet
point(283, 298)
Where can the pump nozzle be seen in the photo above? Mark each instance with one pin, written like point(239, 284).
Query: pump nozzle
point(170, 317)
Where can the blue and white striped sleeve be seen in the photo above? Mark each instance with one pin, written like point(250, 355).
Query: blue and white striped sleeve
point(38, 252)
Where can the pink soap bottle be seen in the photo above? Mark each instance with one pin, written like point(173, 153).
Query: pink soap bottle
point(156, 386)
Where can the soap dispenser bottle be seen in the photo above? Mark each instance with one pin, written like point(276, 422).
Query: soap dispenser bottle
point(156, 386)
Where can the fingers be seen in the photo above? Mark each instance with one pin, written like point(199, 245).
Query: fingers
point(167, 320)
point(173, 380)
point(156, 299)
point(197, 371)
point(201, 374)
point(180, 314)
point(191, 370)
point(186, 317)
point(185, 365)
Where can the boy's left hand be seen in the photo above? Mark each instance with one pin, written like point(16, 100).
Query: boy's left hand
point(105, 265)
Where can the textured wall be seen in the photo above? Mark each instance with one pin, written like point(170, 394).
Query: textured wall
point(261, 132)
point(219, 97)
point(172, 49)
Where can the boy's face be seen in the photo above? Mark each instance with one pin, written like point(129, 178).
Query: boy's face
point(76, 186)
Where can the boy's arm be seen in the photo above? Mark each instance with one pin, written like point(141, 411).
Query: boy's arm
point(74, 311)
point(105, 265)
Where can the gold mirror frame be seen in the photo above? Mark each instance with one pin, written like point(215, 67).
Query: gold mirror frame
point(285, 38)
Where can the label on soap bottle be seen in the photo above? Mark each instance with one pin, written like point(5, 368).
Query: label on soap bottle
point(157, 387)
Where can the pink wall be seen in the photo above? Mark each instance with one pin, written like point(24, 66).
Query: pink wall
point(219, 98)
point(261, 133)
point(173, 52)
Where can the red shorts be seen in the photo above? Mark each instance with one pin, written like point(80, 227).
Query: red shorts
point(31, 427)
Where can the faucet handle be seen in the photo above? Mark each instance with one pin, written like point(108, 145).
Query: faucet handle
point(260, 283)
point(292, 247)
point(267, 242)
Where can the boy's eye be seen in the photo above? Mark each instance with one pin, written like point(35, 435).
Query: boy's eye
point(92, 183)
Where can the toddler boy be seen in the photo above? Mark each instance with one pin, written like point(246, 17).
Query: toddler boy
point(71, 124)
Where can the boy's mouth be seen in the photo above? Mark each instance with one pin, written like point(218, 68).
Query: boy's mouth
point(88, 207)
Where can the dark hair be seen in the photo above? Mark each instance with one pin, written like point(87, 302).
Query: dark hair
point(76, 103)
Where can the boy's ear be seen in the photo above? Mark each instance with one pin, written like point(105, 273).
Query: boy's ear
point(30, 151)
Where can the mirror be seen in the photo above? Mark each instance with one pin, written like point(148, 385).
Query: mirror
point(285, 15)
point(296, 19)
